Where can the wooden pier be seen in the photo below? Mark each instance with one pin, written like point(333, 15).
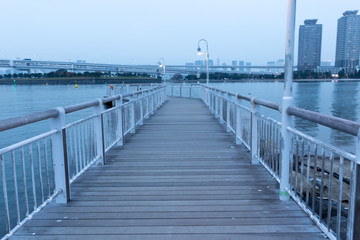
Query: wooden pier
point(181, 176)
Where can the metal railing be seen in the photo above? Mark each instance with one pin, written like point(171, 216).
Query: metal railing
point(322, 179)
point(42, 168)
point(183, 90)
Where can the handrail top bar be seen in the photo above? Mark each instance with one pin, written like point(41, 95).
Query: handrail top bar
point(337, 123)
point(340, 124)
point(15, 122)
point(10, 123)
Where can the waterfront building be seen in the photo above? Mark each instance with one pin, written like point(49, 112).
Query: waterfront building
point(348, 41)
point(309, 54)
point(271, 64)
point(326, 63)
point(241, 63)
point(248, 64)
point(280, 63)
point(234, 63)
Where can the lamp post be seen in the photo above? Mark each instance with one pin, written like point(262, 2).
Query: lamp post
point(199, 52)
point(162, 65)
point(287, 101)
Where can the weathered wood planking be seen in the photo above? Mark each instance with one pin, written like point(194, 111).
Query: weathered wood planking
point(180, 177)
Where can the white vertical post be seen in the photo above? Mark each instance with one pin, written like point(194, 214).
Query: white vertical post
point(221, 105)
point(119, 132)
point(353, 231)
point(60, 157)
point(254, 134)
point(147, 113)
point(287, 101)
point(238, 121)
point(141, 111)
point(216, 104)
point(152, 103)
point(99, 136)
point(132, 116)
point(228, 99)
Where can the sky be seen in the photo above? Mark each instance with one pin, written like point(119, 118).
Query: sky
point(142, 31)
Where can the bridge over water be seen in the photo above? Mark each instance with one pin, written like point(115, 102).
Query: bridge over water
point(181, 176)
point(200, 166)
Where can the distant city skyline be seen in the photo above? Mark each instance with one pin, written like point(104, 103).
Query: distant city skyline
point(309, 50)
point(348, 41)
point(139, 32)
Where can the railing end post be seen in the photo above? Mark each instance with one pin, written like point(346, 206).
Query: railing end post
point(59, 150)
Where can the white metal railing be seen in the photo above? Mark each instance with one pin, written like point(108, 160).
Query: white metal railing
point(322, 179)
point(183, 90)
point(42, 168)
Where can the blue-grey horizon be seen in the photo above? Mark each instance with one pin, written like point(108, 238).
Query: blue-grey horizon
point(140, 32)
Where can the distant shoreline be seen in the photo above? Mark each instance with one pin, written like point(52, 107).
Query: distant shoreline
point(73, 81)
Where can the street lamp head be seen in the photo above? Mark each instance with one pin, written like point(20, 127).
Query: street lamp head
point(199, 52)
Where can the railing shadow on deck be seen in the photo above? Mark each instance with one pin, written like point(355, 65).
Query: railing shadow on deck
point(322, 179)
point(40, 169)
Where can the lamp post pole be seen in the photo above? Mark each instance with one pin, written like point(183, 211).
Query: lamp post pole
point(207, 58)
point(162, 65)
point(287, 101)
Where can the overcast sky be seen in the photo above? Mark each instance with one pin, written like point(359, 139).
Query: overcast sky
point(142, 31)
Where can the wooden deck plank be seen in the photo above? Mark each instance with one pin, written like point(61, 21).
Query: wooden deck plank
point(180, 177)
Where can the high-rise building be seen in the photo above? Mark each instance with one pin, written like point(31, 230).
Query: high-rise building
point(348, 41)
point(310, 35)
point(280, 62)
point(248, 64)
point(234, 64)
point(241, 63)
point(211, 62)
point(271, 64)
point(326, 63)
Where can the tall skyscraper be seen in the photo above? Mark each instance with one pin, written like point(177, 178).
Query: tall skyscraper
point(310, 35)
point(234, 64)
point(348, 41)
point(248, 64)
point(241, 63)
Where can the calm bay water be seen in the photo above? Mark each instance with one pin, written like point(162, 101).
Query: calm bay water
point(339, 99)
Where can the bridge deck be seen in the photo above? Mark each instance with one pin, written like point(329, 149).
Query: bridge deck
point(180, 177)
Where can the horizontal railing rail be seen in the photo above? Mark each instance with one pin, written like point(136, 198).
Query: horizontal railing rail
point(323, 179)
point(42, 168)
point(184, 90)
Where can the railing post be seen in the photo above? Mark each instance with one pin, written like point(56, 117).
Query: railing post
point(147, 113)
point(99, 134)
point(228, 99)
point(132, 115)
point(216, 104)
point(254, 134)
point(180, 90)
point(212, 102)
point(172, 90)
point(287, 101)
point(141, 111)
point(238, 121)
point(120, 131)
point(353, 230)
point(59, 151)
point(152, 103)
point(190, 90)
point(221, 105)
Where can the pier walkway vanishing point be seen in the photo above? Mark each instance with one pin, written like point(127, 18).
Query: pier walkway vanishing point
point(181, 176)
